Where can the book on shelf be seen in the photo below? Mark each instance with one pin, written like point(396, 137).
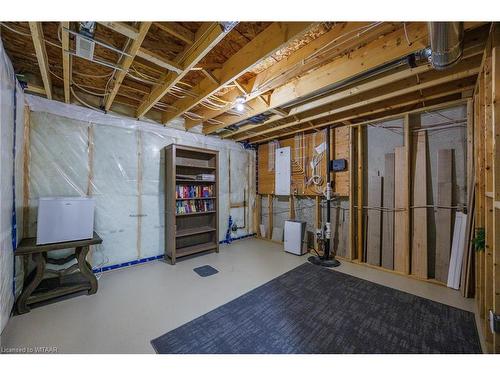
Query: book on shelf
point(205, 177)
point(194, 206)
point(193, 191)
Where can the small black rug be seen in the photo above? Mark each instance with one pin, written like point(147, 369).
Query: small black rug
point(205, 271)
point(313, 310)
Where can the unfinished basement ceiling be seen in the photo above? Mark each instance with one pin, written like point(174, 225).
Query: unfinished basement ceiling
point(293, 76)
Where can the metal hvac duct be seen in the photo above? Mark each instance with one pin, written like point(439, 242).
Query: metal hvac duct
point(446, 43)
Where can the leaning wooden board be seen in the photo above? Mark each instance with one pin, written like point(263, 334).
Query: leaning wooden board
point(400, 216)
point(374, 236)
point(443, 215)
point(419, 222)
point(388, 216)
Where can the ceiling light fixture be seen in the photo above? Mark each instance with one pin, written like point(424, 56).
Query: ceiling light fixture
point(240, 103)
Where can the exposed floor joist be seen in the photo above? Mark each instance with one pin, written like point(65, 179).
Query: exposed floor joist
point(373, 111)
point(376, 53)
point(159, 60)
point(41, 56)
point(263, 45)
point(127, 61)
point(394, 89)
point(122, 28)
point(276, 74)
point(66, 63)
point(322, 101)
point(206, 38)
point(177, 31)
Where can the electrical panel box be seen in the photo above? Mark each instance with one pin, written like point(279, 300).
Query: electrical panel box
point(283, 171)
point(338, 165)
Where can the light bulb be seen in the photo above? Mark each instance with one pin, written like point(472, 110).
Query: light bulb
point(240, 107)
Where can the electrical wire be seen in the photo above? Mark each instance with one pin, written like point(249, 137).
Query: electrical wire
point(28, 35)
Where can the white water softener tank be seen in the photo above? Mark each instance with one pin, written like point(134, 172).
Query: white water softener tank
point(64, 219)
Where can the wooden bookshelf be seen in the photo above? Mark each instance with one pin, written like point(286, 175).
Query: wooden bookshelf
point(191, 220)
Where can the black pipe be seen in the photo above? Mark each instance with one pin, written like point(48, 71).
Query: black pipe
point(326, 254)
point(325, 260)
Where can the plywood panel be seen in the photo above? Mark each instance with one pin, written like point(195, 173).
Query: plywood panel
point(388, 216)
point(443, 215)
point(419, 222)
point(374, 237)
point(303, 146)
point(400, 216)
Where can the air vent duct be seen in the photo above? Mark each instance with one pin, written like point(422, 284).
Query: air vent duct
point(446, 43)
point(85, 40)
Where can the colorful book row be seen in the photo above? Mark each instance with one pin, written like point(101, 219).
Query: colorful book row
point(191, 206)
point(193, 191)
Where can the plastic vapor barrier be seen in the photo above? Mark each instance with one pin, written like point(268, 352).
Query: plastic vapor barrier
point(76, 151)
point(11, 133)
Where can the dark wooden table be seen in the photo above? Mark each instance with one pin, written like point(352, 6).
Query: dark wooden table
point(75, 278)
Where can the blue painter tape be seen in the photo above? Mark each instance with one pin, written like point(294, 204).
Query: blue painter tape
point(150, 259)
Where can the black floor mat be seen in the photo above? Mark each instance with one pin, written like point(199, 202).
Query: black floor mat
point(205, 271)
point(313, 310)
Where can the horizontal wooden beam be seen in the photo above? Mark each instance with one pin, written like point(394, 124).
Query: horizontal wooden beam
point(275, 75)
point(176, 30)
point(127, 61)
point(275, 36)
point(376, 53)
point(374, 110)
point(470, 52)
point(209, 35)
point(122, 28)
point(41, 56)
point(394, 90)
point(35, 89)
point(159, 60)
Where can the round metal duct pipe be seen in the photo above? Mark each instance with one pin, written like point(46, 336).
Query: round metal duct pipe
point(446, 43)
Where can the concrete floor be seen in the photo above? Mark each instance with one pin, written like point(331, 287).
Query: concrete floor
point(136, 304)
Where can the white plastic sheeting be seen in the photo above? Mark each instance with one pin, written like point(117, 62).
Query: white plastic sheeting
point(76, 152)
point(9, 164)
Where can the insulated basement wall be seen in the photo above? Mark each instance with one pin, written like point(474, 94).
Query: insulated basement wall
point(11, 165)
point(118, 161)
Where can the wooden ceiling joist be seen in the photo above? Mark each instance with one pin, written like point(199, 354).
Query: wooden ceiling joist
point(394, 89)
point(426, 105)
point(275, 75)
point(127, 61)
point(159, 60)
point(176, 30)
point(41, 56)
point(66, 63)
point(208, 36)
point(263, 45)
point(122, 28)
point(373, 54)
point(377, 110)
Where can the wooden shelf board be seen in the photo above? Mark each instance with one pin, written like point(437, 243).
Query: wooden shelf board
point(188, 250)
point(194, 181)
point(198, 198)
point(192, 231)
point(195, 167)
point(197, 213)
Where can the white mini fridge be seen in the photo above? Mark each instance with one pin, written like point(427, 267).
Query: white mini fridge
point(64, 219)
point(295, 237)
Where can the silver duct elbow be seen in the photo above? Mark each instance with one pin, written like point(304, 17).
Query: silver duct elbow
point(446, 40)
